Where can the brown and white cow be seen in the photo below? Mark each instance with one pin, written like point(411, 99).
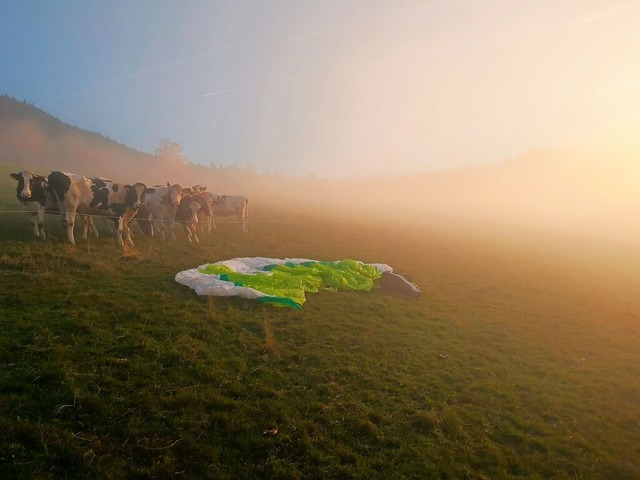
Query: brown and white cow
point(229, 205)
point(187, 216)
point(99, 196)
point(205, 215)
point(157, 214)
point(192, 206)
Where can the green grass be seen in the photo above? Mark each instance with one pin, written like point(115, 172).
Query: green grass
point(518, 361)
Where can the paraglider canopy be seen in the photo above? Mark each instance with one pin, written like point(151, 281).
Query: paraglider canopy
point(398, 283)
point(281, 282)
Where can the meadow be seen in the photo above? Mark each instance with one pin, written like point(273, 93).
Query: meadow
point(521, 358)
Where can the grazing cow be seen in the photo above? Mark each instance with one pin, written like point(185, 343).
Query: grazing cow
point(228, 205)
point(73, 193)
point(157, 214)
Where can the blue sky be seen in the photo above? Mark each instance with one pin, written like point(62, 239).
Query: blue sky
point(334, 88)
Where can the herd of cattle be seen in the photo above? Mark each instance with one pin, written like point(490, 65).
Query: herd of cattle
point(156, 209)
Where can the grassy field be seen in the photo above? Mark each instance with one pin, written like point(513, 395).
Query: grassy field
point(520, 360)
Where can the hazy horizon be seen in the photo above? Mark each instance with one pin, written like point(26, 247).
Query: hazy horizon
point(529, 129)
point(334, 89)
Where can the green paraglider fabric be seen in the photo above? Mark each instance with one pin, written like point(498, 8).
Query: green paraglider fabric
point(286, 284)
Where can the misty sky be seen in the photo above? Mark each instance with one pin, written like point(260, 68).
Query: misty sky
point(332, 87)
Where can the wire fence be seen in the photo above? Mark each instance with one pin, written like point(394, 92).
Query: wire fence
point(33, 212)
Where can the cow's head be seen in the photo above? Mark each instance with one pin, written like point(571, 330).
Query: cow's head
point(194, 207)
point(136, 194)
point(174, 195)
point(27, 183)
point(198, 188)
point(205, 203)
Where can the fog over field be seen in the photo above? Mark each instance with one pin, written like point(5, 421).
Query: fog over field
point(589, 197)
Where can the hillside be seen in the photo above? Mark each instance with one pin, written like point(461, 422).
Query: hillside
point(30, 136)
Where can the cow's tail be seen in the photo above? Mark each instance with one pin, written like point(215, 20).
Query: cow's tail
point(143, 220)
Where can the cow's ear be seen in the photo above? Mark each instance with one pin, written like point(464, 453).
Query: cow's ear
point(149, 190)
point(15, 176)
point(168, 184)
point(203, 189)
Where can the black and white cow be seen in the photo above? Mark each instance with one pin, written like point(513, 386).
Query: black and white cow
point(229, 205)
point(69, 191)
point(33, 195)
point(119, 201)
point(99, 196)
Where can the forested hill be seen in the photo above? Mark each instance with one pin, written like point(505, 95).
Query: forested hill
point(32, 137)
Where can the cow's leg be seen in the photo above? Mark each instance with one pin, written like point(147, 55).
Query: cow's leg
point(92, 226)
point(162, 228)
point(124, 222)
point(203, 221)
point(213, 224)
point(85, 226)
point(41, 212)
point(245, 224)
point(69, 221)
point(113, 226)
point(119, 231)
point(200, 218)
point(172, 234)
point(153, 226)
point(34, 222)
point(187, 230)
point(195, 233)
point(128, 235)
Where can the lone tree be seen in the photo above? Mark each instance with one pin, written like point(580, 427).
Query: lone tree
point(170, 159)
point(171, 152)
